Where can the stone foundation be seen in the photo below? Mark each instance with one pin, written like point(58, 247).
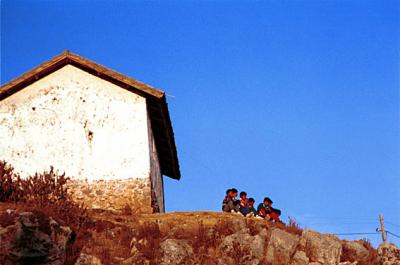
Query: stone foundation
point(115, 195)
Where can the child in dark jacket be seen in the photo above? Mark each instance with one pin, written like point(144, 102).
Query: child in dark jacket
point(248, 210)
point(230, 203)
point(266, 211)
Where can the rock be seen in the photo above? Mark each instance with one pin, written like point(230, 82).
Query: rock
point(34, 238)
point(281, 246)
point(85, 259)
point(354, 251)
point(243, 245)
point(348, 263)
point(62, 236)
point(239, 224)
point(388, 254)
point(176, 252)
point(325, 249)
point(299, 258)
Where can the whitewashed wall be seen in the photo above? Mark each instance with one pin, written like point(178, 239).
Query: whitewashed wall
point(78, 123)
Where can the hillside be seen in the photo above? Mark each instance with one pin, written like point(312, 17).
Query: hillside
point(173, 238)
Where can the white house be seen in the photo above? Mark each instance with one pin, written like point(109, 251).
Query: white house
point(110, 133)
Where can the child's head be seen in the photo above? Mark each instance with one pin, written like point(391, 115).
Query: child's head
point(267, 201)
point(251, 202)
point(234, 193)
point(243, 195)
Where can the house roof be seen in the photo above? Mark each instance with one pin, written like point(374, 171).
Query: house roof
point(156, 101)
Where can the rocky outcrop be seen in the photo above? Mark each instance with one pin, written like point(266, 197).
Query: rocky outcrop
point(176, 252)
point(281, 246)
point(180, 238)
point(389, 254)
point(300, 258)
point(324, 249)
point(33, 238)
point(242, 247)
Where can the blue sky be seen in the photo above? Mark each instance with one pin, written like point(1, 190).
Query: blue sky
point(295, 100)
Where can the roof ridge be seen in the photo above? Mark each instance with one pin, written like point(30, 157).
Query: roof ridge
point(67, 57)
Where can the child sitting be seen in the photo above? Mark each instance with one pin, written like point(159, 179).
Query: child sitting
point(266, 211)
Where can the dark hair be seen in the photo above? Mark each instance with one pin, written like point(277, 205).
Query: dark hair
point(242, 193)
point(228, 190)
point(234, 190)
point(251, 200)
point(268, 200)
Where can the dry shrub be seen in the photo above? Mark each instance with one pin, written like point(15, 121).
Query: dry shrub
point(224, 228)
point(351, 255)
point(112, 242)
point(103, 225)
point(46, 195)
point(127, 210)
point(151, 235)
point(10, 183)
point(105, 256)
point(203, 239)
point(7, 219)
point(372, 258)
point(240, 253)
point(255, 226)
point(292, 227)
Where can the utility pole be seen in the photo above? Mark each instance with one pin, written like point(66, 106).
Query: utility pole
point(382, 228)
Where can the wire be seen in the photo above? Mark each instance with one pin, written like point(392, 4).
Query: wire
point(388, 232)
point(344, 223)
point(349, 234)
point(392, 223)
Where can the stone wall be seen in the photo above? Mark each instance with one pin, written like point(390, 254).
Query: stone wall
point(114, 195)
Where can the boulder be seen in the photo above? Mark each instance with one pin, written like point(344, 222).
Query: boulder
point(243, 247)
point(281, 247)
point(299, 258)
point(176, 252)
point(322, 248)
point(33, 238)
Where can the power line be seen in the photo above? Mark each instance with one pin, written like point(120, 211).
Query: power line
point(343, 223)
point(388, 232)
point(392, 223)
point(349, 234)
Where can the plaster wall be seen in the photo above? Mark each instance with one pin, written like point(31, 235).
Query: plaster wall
point(82, 125)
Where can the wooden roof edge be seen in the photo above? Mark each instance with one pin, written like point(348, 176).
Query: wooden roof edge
point(67, 57)
point(171, 139)
point(35, 73)
point(75, 58)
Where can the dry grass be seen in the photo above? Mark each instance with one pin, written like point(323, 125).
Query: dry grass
point(350, 255)
point(293, 227)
